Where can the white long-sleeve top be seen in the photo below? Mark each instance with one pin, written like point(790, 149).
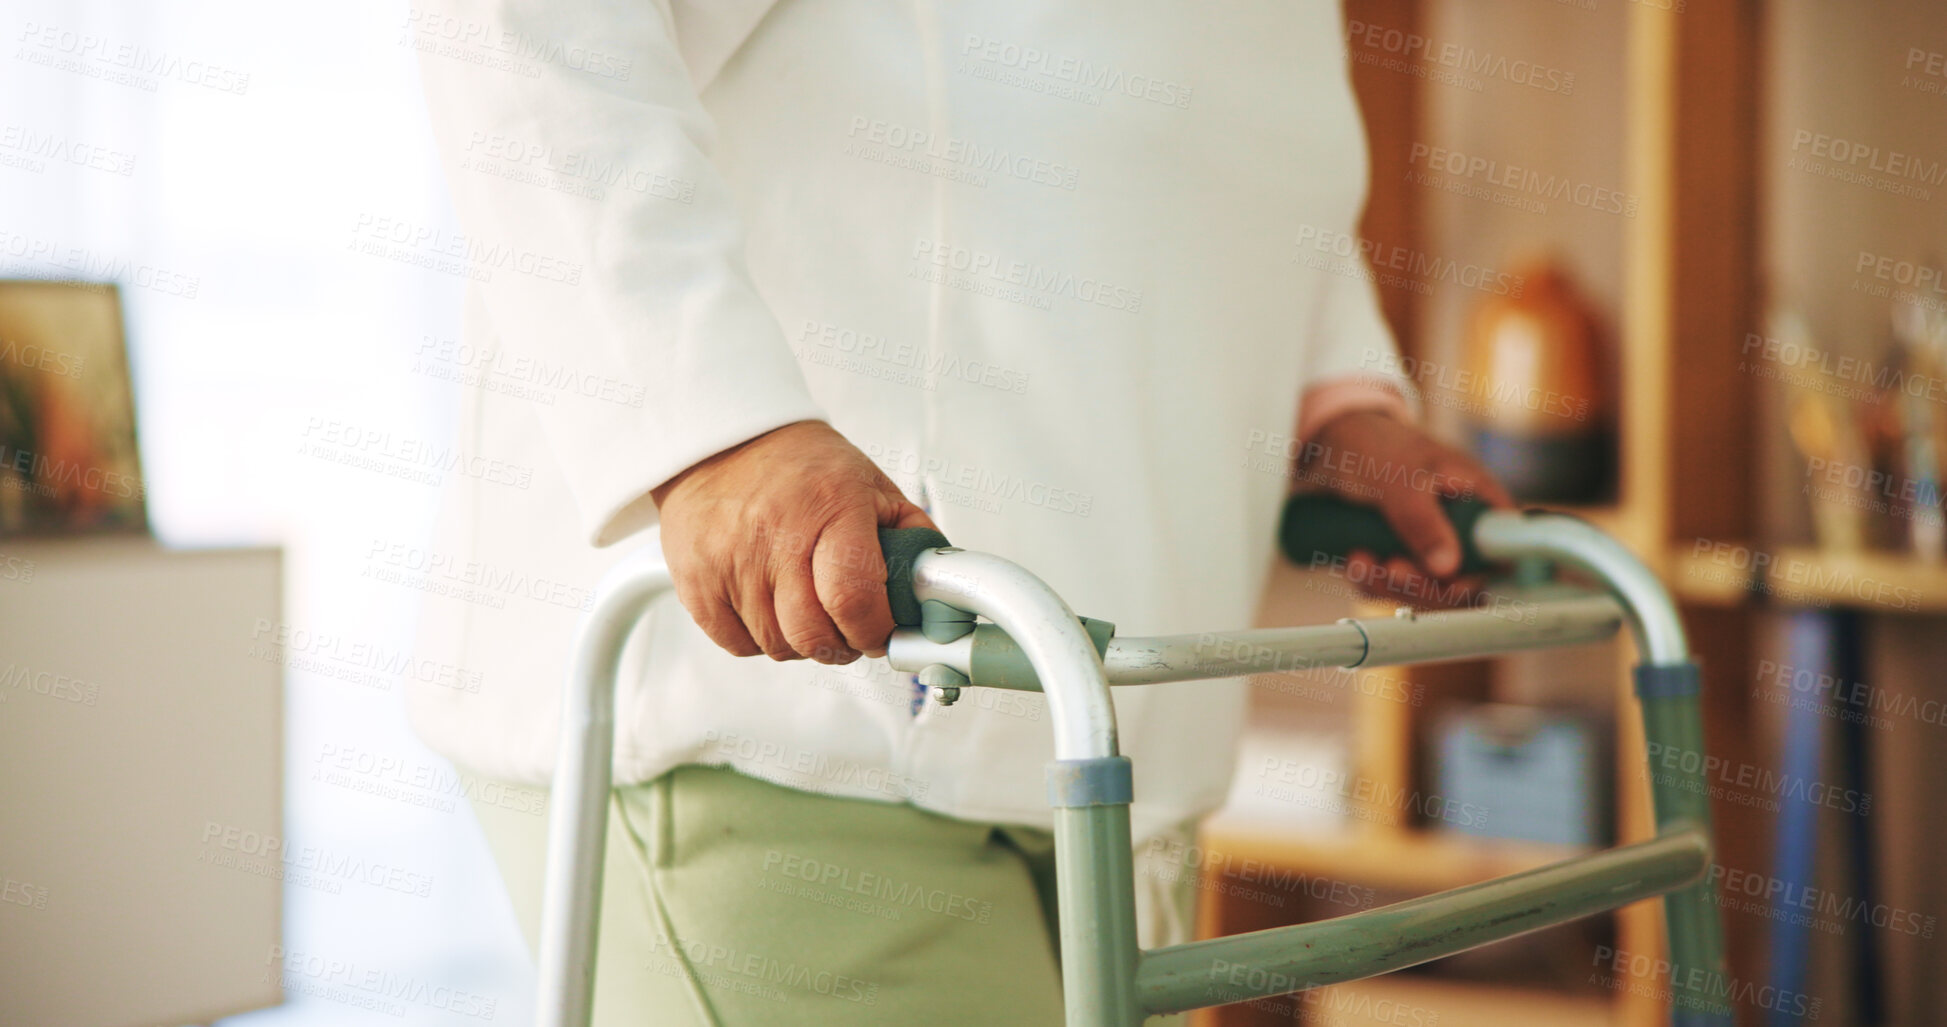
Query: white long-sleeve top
point(1044, 265)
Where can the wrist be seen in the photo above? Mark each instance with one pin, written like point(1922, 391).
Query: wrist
point(661, 493)
point(1329, 401)
point(1353, 421)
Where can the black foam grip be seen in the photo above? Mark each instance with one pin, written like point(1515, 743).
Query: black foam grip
point(1319, 526)
point(900, 546)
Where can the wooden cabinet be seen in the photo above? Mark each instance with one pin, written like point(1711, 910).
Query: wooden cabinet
point(141, 782)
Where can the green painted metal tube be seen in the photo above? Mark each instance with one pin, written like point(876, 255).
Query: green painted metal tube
point(1094, 871)
point(998, 662)
point(1699, 977)
point(1347, 948)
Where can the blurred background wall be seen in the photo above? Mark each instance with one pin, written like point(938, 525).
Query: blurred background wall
point(226, 193)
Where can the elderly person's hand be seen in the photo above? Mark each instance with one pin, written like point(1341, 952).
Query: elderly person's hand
point(774, 545)
point(1372, 457)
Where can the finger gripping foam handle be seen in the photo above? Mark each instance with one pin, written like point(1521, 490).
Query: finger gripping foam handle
point(900, 547)
point(1318, 527)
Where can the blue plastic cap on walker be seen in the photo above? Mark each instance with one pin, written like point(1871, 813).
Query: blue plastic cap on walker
point(901, 546)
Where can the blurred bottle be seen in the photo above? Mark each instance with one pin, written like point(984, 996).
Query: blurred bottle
point(1908, 435)
point(1535, 403)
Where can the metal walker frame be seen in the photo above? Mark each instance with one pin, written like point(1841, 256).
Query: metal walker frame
point(1035, 642)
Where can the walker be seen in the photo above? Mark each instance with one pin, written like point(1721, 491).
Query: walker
point(1032, 641)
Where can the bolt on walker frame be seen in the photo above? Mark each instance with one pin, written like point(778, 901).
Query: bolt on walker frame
point(1034, 642)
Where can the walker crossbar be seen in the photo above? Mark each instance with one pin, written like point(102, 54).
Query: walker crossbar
point(1036, 642)
point(988, 657)
point(1347, 948)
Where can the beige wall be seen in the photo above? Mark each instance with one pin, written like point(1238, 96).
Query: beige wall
point(1574, 134)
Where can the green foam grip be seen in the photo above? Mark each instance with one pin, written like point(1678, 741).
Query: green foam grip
point(1317, 528)
point(901, 546)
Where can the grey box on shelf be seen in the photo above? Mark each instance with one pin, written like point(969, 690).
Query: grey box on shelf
point(1534, 774)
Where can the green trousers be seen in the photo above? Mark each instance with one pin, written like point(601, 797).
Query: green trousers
point(732, 902)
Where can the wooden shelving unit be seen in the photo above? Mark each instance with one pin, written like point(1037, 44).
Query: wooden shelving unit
point(1672, 107)
point(1402, 860)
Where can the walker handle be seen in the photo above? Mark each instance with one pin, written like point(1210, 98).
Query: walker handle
point(901, 546)
point(1318, 527)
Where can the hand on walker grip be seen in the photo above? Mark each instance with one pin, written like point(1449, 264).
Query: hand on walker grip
point(773, 545)
point(1373, 458)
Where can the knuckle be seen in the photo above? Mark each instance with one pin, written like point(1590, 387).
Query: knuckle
point(814, 642)
point(830, 652)
point(772, 641)
point(697, 601)
point(711, 618)
point(734, 643)
point(853, 603)
point(729, 635)
point(857, 561)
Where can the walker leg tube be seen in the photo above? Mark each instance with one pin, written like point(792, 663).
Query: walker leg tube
point(571, 899)
point(1674, 729)
point(1095, 877)
point(1668, 683)
point(1359, 945)
point(1089, 784)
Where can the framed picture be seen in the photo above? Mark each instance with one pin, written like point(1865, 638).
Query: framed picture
point(68, 459)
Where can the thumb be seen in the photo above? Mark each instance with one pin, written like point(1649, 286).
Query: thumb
point(896, 511)
point(1422, 524)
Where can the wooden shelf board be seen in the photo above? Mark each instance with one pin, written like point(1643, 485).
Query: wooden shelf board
point(1610, 517)
point(1405, 860)
point(1398, 999)
point(1807, 576)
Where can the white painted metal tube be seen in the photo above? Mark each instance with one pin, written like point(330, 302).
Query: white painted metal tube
point(1468, 634)
point(1044, 627)
point(1223, 654)
point(578, 801)
point(1084, 723)
point(1505, 534)
point(1366, 642)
